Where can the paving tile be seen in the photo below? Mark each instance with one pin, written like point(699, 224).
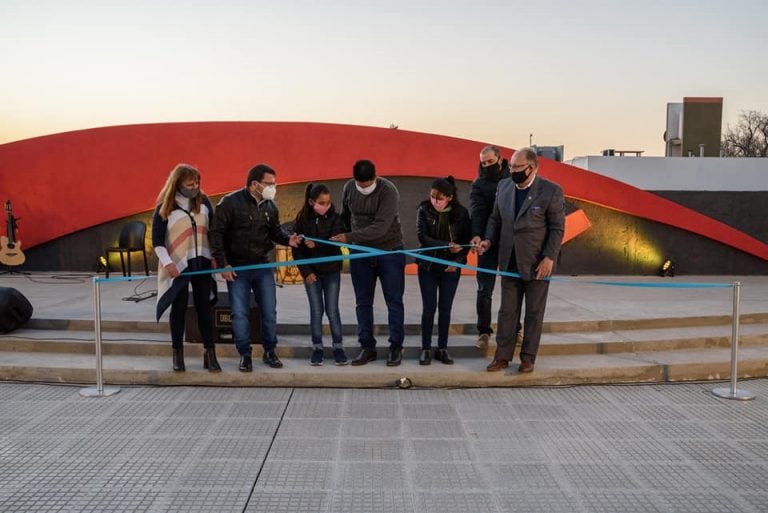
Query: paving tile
point(288, 502)
point(304, 449)
point(455, 502)
point(671, 476)
point(702, 502)
point(426, 449)
point(597, 476)
point(365, 428)
point(377, 501)
point(523, 477)
point(536, 501)
point(297, 475)
point(360, 449)
point(448, 476)
point(234, 448)
point(624, 501)
point(368, 476)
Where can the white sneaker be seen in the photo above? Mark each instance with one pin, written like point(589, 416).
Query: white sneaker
point(482, 341)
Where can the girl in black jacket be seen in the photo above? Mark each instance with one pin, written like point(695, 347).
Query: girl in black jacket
point(441, 221)
point(318, 219)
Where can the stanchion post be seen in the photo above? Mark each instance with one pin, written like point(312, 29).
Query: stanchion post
point(733, 392)
point(99, 390)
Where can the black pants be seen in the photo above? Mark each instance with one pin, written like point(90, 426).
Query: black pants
point(485, 285)
point(201, 295)
point(513, 292)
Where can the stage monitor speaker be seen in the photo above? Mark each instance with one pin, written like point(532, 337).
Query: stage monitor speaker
point(15, 309)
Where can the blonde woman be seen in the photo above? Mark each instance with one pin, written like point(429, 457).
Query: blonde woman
point(180, 238)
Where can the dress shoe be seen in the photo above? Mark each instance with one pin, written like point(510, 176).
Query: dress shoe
point(365, 356)
point(178, 360)
point(426, 357)
point(525, 367)
point(209, 360)
point(394, 356)
point(271, 359)
point(482, 341)
point(441, 355)
point(246, 363)
point(497, 364)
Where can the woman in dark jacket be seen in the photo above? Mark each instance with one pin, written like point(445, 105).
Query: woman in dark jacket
point(441, 221)
point(318, 219)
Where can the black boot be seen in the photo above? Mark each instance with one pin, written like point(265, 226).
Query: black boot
point(178, 360)
point(426, 357)
point(209, 360)
point(246, 363)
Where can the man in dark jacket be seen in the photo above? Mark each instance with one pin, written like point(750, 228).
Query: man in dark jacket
point(482, 194)
point(245, 227)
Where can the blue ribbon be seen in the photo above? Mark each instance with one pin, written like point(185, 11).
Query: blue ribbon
point(368, 252)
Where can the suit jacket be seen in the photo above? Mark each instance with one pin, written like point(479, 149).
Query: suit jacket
point(537, 230)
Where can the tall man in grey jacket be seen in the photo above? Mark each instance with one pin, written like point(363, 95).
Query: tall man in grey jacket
point(370, 214)
point(527, 224)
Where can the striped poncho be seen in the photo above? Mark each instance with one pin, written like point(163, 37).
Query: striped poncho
point(183, 240)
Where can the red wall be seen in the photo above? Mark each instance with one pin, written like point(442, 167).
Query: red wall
point(66, 182)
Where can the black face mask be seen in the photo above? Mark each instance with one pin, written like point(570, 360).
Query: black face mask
point(493, 170)
point(520, 176)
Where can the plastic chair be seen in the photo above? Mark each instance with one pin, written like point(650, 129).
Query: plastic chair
point(131, 239)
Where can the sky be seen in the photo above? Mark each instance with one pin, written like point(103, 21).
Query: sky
point(586, 74)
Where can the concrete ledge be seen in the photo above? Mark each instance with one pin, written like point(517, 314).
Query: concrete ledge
point(658, 367)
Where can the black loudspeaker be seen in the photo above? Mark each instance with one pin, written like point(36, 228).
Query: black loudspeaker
point(15, 309)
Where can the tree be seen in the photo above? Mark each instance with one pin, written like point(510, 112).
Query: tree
point(749, 138)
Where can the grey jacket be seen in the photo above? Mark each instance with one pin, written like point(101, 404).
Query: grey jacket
point(536, 232)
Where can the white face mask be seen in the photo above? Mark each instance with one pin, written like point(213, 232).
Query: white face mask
point(365, 191)
point(269, 192)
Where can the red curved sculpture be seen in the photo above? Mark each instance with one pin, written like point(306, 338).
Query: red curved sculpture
point(67, 182)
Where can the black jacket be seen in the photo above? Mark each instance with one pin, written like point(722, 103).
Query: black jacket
point(482, 194)
point(319, 227)
point(427, 221)
point(244, 232)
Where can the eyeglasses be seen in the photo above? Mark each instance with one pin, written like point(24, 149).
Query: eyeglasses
point(521, 168)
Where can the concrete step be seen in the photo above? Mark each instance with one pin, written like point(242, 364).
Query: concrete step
point(656, 366)
point(461, 346)
point(145, 326)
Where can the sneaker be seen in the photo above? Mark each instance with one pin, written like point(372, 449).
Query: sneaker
point(340, 357)
point(317, 357)
point(482, 341)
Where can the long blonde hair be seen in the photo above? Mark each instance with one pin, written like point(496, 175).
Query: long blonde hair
point(167, 197)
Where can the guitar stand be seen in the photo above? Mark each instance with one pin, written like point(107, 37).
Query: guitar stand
point(10, 271)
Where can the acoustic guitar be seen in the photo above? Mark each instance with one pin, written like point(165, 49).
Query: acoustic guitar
point(10, 248)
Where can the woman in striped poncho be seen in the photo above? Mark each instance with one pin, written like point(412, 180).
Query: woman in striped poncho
point(180, 238)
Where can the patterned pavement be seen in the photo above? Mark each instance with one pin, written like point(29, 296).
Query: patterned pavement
point(644, 448)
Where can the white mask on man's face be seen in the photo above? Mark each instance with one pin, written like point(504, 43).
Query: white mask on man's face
point(269, 192)
point(365, 191)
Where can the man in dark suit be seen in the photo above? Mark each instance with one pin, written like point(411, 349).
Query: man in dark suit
point(527, 224)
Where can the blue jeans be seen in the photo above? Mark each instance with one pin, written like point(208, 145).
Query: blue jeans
point(390, 270)
point(323, 297)
point(262, 283)
point(438, 288)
